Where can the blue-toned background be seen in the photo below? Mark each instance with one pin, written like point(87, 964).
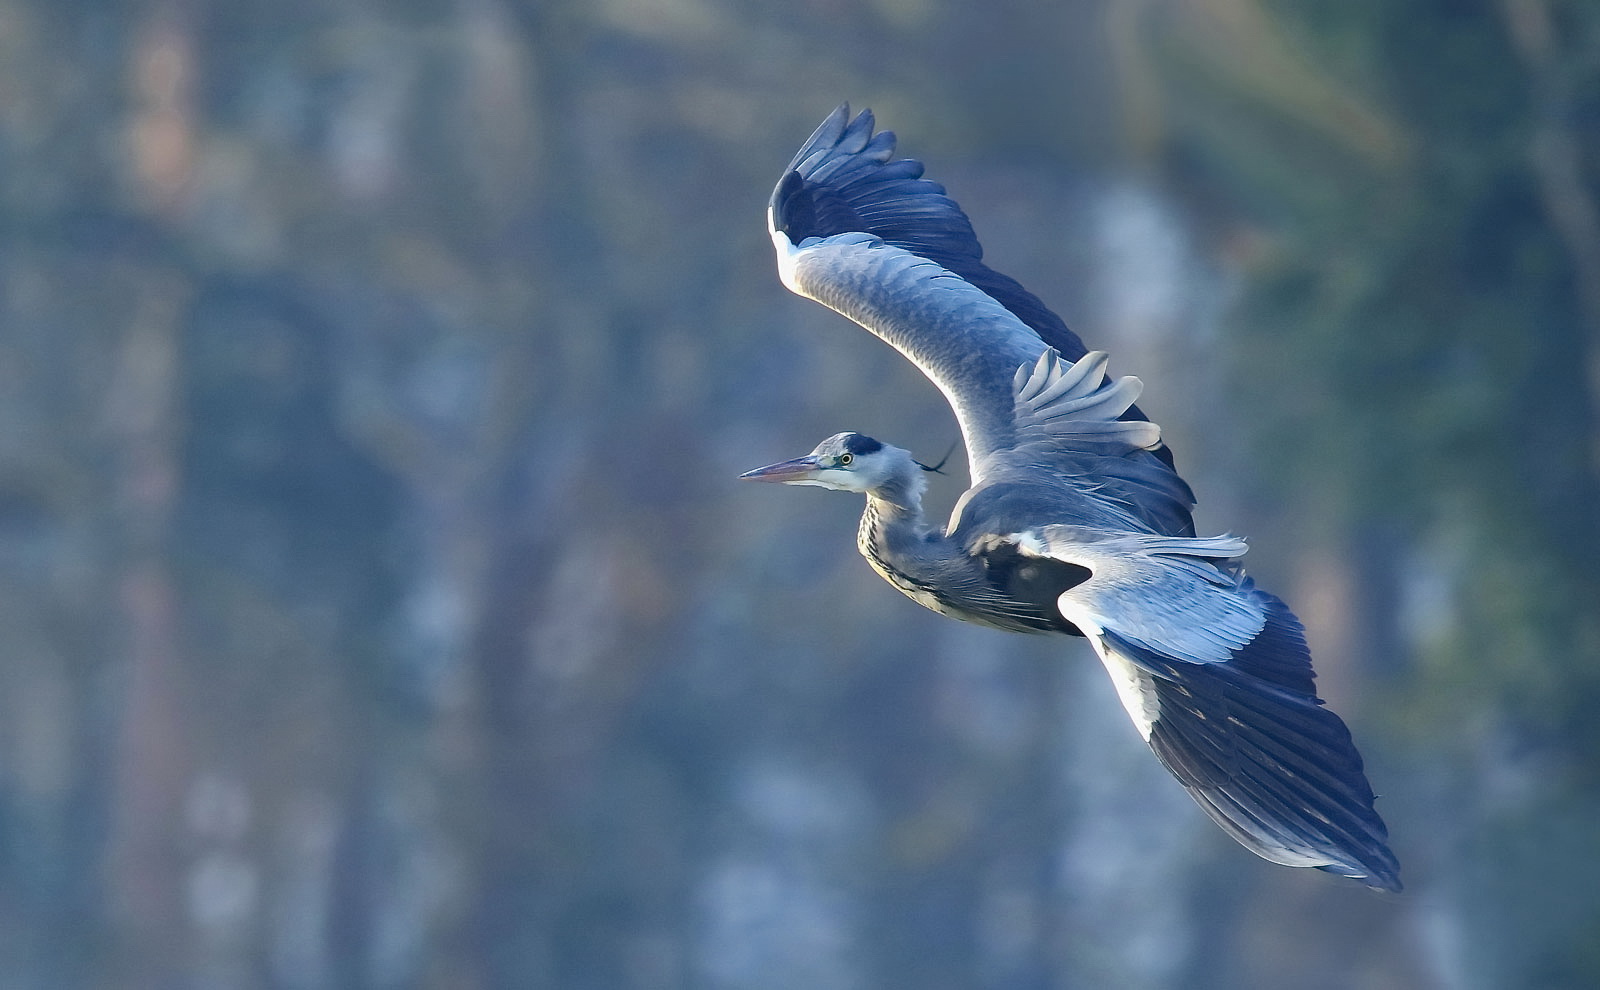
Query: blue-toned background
point(378, 608)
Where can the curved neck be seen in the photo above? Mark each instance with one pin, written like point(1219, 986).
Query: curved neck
point(920, 560)
point(891, 526)
point(898, 497)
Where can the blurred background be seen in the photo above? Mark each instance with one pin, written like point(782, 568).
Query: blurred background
point(378, 608)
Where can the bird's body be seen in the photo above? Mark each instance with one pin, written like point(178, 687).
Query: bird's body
point(1076, 521)
point(935, 570)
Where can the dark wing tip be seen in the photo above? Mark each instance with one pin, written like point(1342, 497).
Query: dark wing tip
point(1267, 762)
point(791, 206)
point(828, 133)
point(846, 179)
point(817, 195)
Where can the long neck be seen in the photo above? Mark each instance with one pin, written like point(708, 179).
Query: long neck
point(893, 519)
point(897, 497)
point(925, 564)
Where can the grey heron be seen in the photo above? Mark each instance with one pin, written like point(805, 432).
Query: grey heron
point(1076, 521)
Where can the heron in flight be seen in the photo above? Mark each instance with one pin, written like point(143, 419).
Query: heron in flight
point(1076, 521)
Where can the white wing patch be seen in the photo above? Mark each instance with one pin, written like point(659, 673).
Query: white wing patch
point(1135, 686)
point(1165, 593)
point(786, 252)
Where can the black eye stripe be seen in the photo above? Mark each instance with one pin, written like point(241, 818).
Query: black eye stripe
point(858, 444)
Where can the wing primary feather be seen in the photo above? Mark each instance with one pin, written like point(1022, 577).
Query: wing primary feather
point(1262, 755)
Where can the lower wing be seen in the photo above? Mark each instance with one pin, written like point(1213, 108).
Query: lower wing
point(1252, 743)
point(1217, 678)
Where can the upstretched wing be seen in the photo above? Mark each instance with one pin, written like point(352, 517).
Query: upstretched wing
point(867, 236)
point(1217, 678)
point(845, 179)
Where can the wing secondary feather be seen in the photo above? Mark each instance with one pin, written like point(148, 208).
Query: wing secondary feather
point(1216, 676)
point(1074, 458)
point(1164, 594)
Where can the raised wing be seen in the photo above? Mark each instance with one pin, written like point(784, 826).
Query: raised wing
point(864, 234)
point(846, 179)
point(1217, 678)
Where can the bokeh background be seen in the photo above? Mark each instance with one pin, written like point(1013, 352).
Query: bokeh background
point(378, 609)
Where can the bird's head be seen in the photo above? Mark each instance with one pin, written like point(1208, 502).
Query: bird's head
point(847, 462)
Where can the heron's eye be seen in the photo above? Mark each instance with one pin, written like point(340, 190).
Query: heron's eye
point(845, 459)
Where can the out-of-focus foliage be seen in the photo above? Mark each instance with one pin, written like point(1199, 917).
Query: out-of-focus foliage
point(1420, 309)
point(377, 608)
